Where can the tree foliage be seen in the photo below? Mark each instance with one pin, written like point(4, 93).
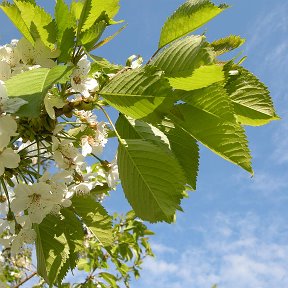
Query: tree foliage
point(184, 96)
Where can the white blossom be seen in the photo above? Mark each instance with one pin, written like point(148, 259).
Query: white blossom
point(112, 176)
point(26, 236)
point(51, 101)
point(38, 54)
point(39, 199)
point(80, 82)
point(96, 142)
point(135, 61)
point(66, 155)
point(5, 71)
point(233, 72)
point(8, 159)
point(8, 53)
point(8, 127)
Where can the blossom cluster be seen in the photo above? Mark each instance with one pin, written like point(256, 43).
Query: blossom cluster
point(44, 162)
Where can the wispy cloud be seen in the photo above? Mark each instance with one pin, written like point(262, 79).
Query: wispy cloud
point(240, 251)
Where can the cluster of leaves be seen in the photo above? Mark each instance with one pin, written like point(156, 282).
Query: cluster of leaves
point(183, 96)
point(124, 256)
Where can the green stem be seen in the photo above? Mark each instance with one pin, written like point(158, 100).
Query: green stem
point(6, 193)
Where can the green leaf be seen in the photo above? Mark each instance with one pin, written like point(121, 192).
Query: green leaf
point(252, 103)
point(14, 15)
point(227, 139)
point(227, 44)
point(182, 57)
point(109, 278)
point(67, 45)
point(73, 231)
point(39, 22)
point(51, 248)
point(151, 179)
point(187, 18)
point(202, 77)
point(64, 19)
point(89, 37)
point(95, 8)
point(213, 100)
point(95, 218)
point(140, 93)
point(32, 86)
point(186, 150)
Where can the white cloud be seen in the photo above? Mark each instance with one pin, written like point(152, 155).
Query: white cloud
point(250, 253)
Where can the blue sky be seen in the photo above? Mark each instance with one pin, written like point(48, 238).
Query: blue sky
point(233, 230)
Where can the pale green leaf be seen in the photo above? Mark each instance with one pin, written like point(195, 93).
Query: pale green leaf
point(76, 8)
point(202, 77)
point(151, 179)
point(140, 93)
point(95, 217)
point(32, 86)
point(96, 8)
point(227, 139)
point(182, 57)
point(14, 15)
point(64, 19)
point(251, 98)
point(227, 44)
point(89, 37)
point(39, 22)
point(187, 18)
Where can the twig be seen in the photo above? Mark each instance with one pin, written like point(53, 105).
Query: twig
point(25, 280)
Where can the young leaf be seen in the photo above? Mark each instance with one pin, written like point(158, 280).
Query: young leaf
point(32, 86)
point(202, 77)
point(39, 22)
point(89, 37)
point(64, 19)
point(252, 103)
point(187, 18)
point(96, 8)
point(14, 15)
point(182, 57)
point(95, 217)
point(151, 179)
point(76, 8)
point(227, 44)
point(140, 93)
point(227, 139)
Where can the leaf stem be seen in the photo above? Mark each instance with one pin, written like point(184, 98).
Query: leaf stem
point(111, 123)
